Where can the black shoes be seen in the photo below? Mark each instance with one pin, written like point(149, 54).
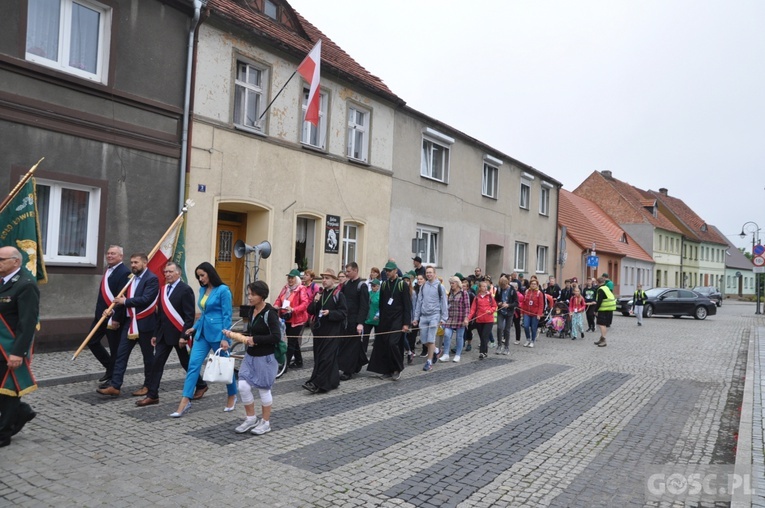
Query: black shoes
point(295, 365)
point(310, 387)
point(105, 377)
point(345, 376)
point(105, 384)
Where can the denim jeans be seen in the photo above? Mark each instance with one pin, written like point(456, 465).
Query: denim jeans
point(428, 326)
point(503, 329)
point(530, 324)
point(448, 332)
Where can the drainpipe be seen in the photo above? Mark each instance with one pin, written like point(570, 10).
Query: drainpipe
point(187, 103)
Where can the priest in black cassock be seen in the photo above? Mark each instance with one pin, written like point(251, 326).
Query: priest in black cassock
point(329, 313)
point(395, 315)
point(351, 356)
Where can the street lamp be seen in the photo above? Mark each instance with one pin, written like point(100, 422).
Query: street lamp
point(755, 230)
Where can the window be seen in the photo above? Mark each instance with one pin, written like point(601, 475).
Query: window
point(249, 96)
point(313, 135)
point(305, 242)
point(430, 236)
point(525, 194)
point(521, 250)
point(350, 243)
point(489, 185)
point(72, 36)
point(270, 9)
point(68, 216)
point(541, 259)
point(544, 200)
point(358, 133)
point(435, 155)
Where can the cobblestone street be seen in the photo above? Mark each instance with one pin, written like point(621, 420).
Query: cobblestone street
point(563, 424)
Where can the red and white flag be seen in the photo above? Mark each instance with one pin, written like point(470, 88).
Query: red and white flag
point(164, 253)
point(310, 69)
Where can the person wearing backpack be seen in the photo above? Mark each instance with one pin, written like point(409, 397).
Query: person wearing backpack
point(259, 366)
point(330, 312)
point(432, 311)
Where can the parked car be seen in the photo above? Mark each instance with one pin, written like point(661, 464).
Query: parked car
point(673, 302)
point(710, 292)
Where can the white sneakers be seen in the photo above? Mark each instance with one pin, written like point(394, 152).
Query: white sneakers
point(248, 424)
point(262, 427)
point(528, 344)
point(444, 358)
point(456, 358)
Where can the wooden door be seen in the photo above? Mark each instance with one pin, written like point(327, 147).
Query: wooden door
point(231, 227)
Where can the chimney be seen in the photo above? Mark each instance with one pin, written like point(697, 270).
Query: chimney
point(663, 191)
point(607, 174)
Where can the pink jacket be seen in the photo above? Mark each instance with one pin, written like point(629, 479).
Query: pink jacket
point(299, 301)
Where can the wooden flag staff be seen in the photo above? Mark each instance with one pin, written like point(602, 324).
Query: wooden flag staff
point(18, 187)
point(189, 203)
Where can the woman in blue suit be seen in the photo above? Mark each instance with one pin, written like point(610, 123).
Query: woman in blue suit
point(215, 303)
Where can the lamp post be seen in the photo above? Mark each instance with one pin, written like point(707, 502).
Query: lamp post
point(755, 230)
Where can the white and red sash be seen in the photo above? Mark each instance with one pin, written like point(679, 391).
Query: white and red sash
point(106, 294)
point(135, 316)
point(170, 311)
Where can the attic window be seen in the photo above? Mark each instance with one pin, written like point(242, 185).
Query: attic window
point(270, 9)
point(704, 227)
point(623, 239)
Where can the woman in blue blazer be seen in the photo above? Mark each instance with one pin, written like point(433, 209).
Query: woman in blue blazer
point(215, 303)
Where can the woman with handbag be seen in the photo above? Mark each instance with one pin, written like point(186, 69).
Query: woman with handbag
point(259, 367)
point(215, 303)
point(292, 303)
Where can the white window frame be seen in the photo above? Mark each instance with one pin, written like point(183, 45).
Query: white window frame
point(258, 89)
point(432, 139)
point(61, 62)
point(363, 130)
point(544, 200)
point(53, 220)
point(522, 255)
point(525, 203)
point(348, 242)
point(489, 181)
point(432, 237)
point(542, 251)
point(308, 129)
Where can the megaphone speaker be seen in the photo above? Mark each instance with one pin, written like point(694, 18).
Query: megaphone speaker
point(264, 248)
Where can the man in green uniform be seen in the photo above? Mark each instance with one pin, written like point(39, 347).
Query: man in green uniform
point(19, 314)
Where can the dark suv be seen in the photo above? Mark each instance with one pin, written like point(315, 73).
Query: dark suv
point(710, 292)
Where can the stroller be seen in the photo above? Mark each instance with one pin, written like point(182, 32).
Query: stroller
point(558, 322)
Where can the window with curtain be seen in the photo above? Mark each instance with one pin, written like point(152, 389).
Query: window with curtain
point(249, 96)
point(525, 194)
point(431, 237)
point(435, 161)
point(72, 36)
point(358, 133)
point(489, 181)
point(69, 216)
point(313, 135)
point(350, 243)
point(541, 259)
point(521, 251)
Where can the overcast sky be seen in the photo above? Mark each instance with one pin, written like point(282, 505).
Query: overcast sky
point(664, 93)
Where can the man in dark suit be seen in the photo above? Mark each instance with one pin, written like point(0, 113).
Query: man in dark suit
point(115, 278)
point(175, 315)
point(141, 306)
point(20, 311)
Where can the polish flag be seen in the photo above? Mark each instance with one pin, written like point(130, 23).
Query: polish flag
point(164, 253)
point(310, 69)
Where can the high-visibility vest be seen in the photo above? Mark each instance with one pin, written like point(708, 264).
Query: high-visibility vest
point(609, 302)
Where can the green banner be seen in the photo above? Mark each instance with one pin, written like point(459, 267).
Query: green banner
point(21, 229)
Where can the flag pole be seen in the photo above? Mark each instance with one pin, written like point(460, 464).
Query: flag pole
point(276, 96)
point(18, 187)
point(189, 203)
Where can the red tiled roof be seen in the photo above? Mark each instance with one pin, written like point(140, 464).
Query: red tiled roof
point(623, 202)
point(688, 217)
point(334, 59)
point(586, 223)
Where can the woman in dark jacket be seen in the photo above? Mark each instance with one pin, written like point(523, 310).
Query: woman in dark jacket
point(258, 369)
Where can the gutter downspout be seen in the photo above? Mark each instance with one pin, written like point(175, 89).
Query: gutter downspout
point(187, 104)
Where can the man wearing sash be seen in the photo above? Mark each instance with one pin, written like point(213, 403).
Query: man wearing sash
point(175, 315)
point(19, 315)
point(141, 306)
point(115, 278)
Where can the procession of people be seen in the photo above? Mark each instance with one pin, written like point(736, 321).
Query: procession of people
point(342, 313)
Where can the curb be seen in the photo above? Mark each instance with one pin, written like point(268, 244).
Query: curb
point(742, 497)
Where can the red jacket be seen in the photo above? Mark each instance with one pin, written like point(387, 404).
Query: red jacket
point(576, 304)
point(299, 301)
point(533, 303)
point(483, 309)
